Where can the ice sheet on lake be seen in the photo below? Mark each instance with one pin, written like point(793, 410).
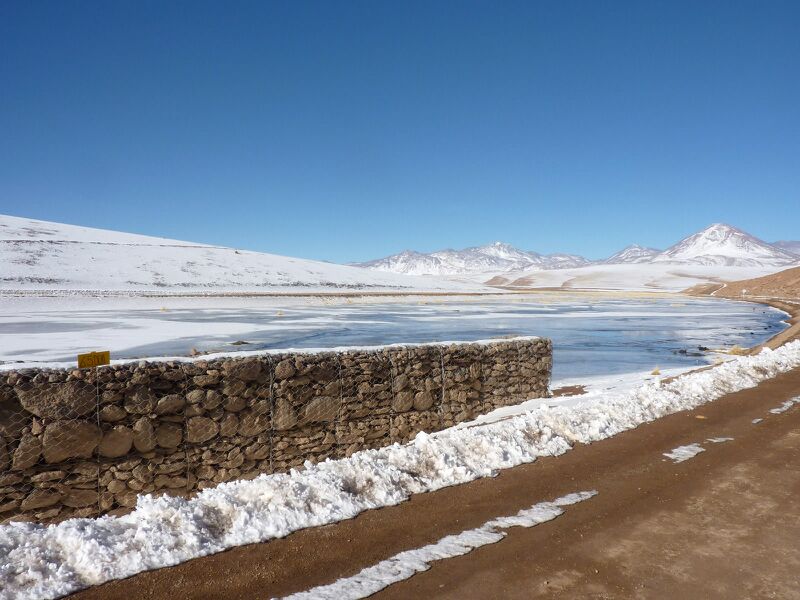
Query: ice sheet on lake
point(607, 335)
point(50, 561)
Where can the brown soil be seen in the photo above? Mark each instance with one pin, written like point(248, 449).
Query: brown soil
point(569, 390)
point(721, 525)
point(785, 285)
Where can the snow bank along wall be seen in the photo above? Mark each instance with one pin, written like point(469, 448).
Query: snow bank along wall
point(86, 442)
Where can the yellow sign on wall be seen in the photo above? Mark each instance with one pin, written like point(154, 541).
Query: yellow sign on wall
point(94, 359)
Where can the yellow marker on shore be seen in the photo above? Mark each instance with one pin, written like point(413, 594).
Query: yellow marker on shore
point(94, 359)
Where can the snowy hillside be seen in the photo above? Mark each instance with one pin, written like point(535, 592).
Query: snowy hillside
point(492, 258)
point(721, 244)
point(632, 254)
point(43, 255)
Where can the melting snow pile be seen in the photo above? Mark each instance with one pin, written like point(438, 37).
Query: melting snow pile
point(39, 561)
point(407, 564)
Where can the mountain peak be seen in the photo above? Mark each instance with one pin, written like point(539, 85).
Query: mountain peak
point(495, 257)
point(632, 254)
point(723, 244)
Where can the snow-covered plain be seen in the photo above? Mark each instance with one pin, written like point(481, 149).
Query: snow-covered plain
point(662, 276)
point(50, 561)
point(594, 334)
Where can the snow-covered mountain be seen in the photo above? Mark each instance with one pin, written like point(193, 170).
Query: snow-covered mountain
point(718, 245)
point(633, 254)
point(53, 256)
point(789, 246)
point(564, 261)
point(721, 244)
point(492, 258)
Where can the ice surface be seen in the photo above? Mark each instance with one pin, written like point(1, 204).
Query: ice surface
point(406, 564)
point(591, 336)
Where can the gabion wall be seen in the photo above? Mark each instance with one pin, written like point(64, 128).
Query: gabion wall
point(87, 442)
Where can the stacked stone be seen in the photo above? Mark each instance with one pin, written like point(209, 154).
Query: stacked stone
point(535, 368)
point(86, 442)
point(417, 386)
point(307, 397)
point(366, 415)
point(47, 429)
point(463, 383)
point(141, 420)
point(228, 420)
point(502, 375)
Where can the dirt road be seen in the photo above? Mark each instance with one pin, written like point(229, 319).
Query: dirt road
point(721, 525)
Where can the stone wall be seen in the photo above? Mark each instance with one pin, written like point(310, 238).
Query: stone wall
point(86, 442)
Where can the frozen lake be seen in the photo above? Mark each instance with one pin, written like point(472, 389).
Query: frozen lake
point(592, 334)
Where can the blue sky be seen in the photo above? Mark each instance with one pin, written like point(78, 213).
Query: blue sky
point(351, 130)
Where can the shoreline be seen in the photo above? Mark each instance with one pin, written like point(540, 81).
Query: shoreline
point(792, 309)
point(790, 306)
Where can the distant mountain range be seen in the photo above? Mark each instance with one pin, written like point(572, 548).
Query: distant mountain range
point(789, 246)
point(716, 245)
point(496, 257)
point(633, 254)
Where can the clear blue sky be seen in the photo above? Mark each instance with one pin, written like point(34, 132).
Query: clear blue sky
point(350, 130)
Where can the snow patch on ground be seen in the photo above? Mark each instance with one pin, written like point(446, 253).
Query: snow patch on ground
point(50, 561)
point(407, 564)
point(719, 440)
point(785, 406)
point(756, 421)
point(682, 453)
